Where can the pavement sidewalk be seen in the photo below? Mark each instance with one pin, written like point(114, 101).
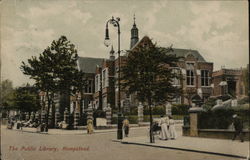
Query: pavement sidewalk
point(194, 144)
point(70, 132)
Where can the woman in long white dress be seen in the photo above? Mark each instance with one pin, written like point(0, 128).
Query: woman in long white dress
point(164, 128)
point(172, 131)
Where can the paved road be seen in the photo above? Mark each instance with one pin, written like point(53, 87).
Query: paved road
point(18, 145)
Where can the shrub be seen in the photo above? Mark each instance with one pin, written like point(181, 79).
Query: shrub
point(209, 104)
point(134, 111)
point(114, 120)
point(146, 118)
point(221, 118)
point(157, 110)
point(180, 109)
point(99, 114)
point(244, 100)
point(224, 97)
point(133, 119)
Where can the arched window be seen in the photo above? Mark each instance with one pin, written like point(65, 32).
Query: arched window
point(190, 74)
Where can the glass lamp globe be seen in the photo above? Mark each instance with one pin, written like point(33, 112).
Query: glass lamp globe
point(107, 42)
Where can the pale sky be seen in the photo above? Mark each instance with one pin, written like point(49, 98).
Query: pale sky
point(217, 29)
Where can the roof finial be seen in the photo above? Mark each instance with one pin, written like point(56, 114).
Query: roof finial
point(134, 18)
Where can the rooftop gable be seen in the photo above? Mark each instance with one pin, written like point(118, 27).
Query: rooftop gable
point(186, 52)
point(88, 64)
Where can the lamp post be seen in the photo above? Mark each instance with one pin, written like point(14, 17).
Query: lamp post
point(115, 23)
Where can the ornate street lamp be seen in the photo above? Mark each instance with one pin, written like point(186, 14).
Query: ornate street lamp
point(115, 23)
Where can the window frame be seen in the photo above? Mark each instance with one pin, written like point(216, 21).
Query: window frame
point(190, 74)
point(205, 78)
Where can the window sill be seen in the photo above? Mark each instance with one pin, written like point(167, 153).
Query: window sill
point(190, 85)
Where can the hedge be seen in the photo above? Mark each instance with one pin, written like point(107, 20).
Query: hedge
point(221, 118)
point(133, 119)
point(180, 109)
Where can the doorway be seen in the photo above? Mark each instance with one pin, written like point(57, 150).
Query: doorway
point(232, 88)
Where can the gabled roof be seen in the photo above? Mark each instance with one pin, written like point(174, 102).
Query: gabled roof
point(184, 52)
point(88, 64)
point(144, 39)
point(178, 52)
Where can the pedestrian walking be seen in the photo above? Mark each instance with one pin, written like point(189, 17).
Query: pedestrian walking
point(90, 127)
point(164, 122)
point(172, 131)
point(238, 126)
point(126, 126)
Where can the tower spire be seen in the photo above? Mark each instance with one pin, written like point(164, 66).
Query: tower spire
point(134, 19)
point(134, 34)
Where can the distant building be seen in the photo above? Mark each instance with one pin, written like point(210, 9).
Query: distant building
point(88, 66)
point(103, 89)
point(196, 72)
point(229, 81)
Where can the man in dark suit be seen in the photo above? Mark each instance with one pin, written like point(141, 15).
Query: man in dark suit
point(238, 126)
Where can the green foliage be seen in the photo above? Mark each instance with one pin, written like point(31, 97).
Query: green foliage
point(156, 110)
point(218, 119)
point(209, 104)
point(146, 118)
point(180, 109)
point(244, 114)
point(242, 107)
point(244, 100)
point(222, 118)
point(224, 97)
point(55, 68)
point(147, 73)
point(7, 94)
point(133, 119)
point(26, 99)
point(99, 114)
point(133, 111)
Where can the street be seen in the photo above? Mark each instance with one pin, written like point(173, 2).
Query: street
point(17, 145)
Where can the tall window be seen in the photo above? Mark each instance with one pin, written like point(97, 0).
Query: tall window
point(104, 102)
point(97, 82)
point(103, 78)
point(204, 78)
point(190, 74)
point(176, 81)
point(88, 88)
point(177, 100)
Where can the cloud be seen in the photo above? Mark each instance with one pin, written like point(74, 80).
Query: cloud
point(151, 14)
point(207, 26)
point(211, 32)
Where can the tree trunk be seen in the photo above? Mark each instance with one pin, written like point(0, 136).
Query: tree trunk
point(81, 109)
point(50, 99)
point(52, 124)
point(64, 102)
point(47, 114)
point(151, 120)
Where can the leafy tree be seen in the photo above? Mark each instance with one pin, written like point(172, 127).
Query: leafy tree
point(54, 71)
point(7, 93)
point(26, 99)
point(148, 73)
point(79, 83)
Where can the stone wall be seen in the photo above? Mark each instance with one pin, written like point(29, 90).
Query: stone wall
point(215, 133)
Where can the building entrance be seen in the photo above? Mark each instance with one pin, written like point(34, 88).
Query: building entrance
point(232, 88)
